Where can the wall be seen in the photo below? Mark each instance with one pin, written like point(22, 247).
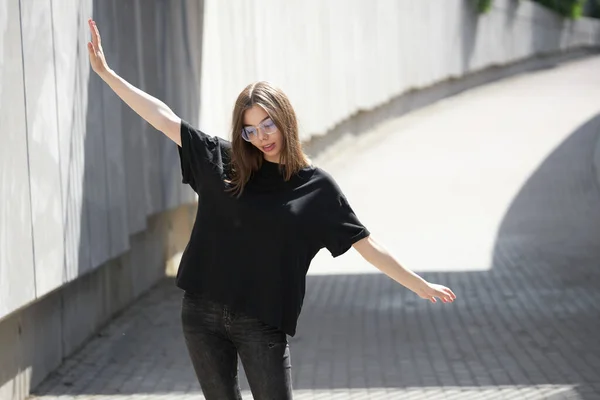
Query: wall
point(80, 173)
point(337, 58)
point(91, 202)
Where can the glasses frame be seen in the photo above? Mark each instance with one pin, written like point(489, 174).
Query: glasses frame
point(260, 126)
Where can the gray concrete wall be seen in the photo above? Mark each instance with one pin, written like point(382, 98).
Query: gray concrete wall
point(597, 157)
point(91, 205)
point(337, 58)
point(80, 173)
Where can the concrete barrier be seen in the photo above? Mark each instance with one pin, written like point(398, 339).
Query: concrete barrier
point(335, 59)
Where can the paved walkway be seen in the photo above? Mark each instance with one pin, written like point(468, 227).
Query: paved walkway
point(491, 192)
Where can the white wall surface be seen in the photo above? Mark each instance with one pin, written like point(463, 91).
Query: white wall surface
point(17, 278)
point(335, 58)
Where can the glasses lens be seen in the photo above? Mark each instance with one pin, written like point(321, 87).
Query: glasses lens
point(269, 126)
point(248, 132)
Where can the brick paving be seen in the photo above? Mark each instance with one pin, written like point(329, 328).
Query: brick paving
point(526, 324)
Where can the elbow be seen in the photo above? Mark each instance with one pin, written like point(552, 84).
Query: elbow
point(170, 125)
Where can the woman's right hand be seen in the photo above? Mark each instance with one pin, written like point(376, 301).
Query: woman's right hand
point(97, 59)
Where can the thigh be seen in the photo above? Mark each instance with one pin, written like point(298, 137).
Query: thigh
point(265, 354)
point(213, 355)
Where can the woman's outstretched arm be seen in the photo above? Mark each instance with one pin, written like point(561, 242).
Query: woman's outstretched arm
point(154, 111)
point(379, 257)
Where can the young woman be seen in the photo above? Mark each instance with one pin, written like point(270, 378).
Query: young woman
point(263, 213)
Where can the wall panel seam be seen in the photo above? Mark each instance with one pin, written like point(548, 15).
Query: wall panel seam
point(60, 182)
point(27, 147)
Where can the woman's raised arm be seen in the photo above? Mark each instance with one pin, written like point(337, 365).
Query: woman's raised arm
point(154, 111)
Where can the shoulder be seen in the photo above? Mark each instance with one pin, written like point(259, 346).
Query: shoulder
point(323, 176)
point(325, 181)
point(194, 134)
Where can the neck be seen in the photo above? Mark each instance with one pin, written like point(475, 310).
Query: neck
point(273, 160)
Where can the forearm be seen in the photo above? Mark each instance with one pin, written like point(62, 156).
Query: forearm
point(151, 109)
point(379, 257)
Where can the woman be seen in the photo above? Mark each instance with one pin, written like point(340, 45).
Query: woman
point(264, 212)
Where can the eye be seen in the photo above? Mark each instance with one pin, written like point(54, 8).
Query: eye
point(269, 124)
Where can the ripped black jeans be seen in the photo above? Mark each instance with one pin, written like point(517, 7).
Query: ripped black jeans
point(214, 336)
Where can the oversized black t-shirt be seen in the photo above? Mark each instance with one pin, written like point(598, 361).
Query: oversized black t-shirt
point(252, 253)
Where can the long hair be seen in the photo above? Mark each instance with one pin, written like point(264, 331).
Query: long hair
point(245, 157)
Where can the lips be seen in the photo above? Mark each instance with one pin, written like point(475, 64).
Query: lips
point(269, 147)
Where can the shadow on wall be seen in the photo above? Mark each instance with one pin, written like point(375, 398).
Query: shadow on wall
point(530, 322)
point(131, 171)
point(546, 37)
point(468, 28)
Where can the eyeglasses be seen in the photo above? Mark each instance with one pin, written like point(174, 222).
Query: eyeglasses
point(267, 126)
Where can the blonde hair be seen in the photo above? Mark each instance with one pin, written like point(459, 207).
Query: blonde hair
point(245, 157)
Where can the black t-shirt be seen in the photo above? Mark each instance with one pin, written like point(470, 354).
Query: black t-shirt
point(252, 253)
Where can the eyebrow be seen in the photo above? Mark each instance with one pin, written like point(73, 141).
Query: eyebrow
point(265, 118)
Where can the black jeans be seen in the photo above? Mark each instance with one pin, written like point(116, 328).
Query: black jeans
point(214, 336)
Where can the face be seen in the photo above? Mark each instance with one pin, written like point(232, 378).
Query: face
point(269, 144)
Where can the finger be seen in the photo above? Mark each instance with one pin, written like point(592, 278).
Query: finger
point(91, 49)
point(95, 34)
point(443, 295)
point(450, 293)
point(92, 31)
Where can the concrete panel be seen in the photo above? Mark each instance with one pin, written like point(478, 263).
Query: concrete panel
point(188, 67)
point(70, 36)
point(83, 307)
point(170, 27)
point(17, 281)
point(146, 261)
point(148, 57)
point(43, 145)
point(115, 159)
point(13, 374)
point(41, 327)
point(95, 179)
point(131, 123)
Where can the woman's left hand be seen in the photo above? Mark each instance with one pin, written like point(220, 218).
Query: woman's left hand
point(430, 291)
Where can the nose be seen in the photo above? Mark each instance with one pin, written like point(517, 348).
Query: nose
point(262, 135)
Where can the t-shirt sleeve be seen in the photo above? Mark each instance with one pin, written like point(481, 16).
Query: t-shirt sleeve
point(341, 227)
point(199, 154)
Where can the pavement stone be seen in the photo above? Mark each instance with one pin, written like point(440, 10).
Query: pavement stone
point(491, 175)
